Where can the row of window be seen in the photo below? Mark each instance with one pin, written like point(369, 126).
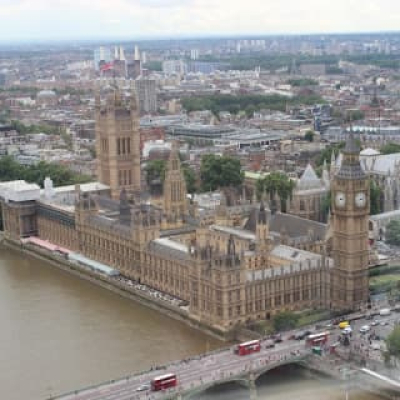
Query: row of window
point(123, 146)
point(125, 177)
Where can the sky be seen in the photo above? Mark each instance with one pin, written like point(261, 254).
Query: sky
point(140, 19)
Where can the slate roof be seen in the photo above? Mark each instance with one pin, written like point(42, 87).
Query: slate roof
point(293, 225)
point(309, 180)
point(351, 146)
point(169, 248)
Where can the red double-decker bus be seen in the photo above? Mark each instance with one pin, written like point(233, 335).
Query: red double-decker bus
point(248, 347)
point(163, 382)
point(317, 339)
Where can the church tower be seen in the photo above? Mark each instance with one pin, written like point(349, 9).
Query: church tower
point(350, 215)
point(175, 201)
point(118, 143)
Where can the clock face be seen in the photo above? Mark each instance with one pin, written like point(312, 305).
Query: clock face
point(340, 199)
point(360, 199)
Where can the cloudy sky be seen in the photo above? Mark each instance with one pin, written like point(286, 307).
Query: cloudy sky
point(92, 19)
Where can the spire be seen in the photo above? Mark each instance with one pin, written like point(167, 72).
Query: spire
point(350, 167)
point(351, 146)
point(262, 215)
point(137, 53)
point(174, 162)
point(333, 158)
point(325, 174)
point(121, 53)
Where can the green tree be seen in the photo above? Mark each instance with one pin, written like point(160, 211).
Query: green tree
point(285, 320)
point(326, 205)
point(12, 170)
point(393, 342)
point(309, 136)
point(275, 183)
point(245, 102)
point(326, 154)
point(375, 194)
point(217, 172)
point(303, 82)
point(393, 232)
point(190, 178)
point(155, 170)
point(390, 148)
point(153, 65)
point(354, 115)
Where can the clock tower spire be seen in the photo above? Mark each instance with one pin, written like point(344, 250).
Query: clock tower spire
point(350, 212)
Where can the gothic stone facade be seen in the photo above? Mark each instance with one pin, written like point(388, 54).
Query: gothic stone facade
point(230, 273)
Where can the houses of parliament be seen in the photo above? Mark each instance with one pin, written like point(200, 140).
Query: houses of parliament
point(238, 264)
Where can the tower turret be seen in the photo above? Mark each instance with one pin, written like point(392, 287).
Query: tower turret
point(350, 215)
point(175, 195)
point(118, 144)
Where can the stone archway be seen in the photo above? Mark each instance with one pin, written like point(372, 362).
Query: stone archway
point(241, 381)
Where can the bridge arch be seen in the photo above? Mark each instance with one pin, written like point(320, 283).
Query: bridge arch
point(241, 380)
point(246, 379)
point(260, 372)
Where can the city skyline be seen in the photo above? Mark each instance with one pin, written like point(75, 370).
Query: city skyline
point(138, 19)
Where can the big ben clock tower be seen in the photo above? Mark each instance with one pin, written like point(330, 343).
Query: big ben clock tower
point(350, 250)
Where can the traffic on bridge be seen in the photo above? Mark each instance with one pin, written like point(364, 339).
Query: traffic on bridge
point(357, 334)
point(234, 363)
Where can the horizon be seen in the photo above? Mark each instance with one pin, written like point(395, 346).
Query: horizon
point(62, 20)
point(110, 40)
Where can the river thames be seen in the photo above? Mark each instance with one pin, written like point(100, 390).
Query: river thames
point(60, 333)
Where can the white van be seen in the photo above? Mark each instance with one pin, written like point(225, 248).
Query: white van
point(384, 312)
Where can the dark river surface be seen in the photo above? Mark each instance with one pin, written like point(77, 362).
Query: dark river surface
point(59, 333)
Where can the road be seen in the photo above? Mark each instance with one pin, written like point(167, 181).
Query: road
point(217, 366)
point(191, 373)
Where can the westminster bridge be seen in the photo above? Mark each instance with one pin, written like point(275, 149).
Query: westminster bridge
point(200, 373)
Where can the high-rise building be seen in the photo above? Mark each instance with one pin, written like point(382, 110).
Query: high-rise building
point(146, 95)
point(174, 67)
point(350, 247)
point(175, 200)
point(194, 54)
point(118, 143)
point(101, 54)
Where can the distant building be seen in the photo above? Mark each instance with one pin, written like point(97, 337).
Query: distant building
point(204, 67)
point(313, 69)
point(174, 67)
point(46, 98)
point(146, 95)
point(101, 54)
point(194, 54)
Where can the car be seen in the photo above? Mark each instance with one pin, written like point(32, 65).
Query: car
point(365, 329)
point(383, 323)
point(301, 335)
point(269, 344)
point(343, 324)
point(277, 338)
point(374, 323)
point(347, 330)
point(142, 388)
point(375, 346)
point(384, 311)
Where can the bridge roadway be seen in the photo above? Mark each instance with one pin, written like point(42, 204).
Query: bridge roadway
point(197, 374)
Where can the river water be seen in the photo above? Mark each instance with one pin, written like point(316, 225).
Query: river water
point(59, 333)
